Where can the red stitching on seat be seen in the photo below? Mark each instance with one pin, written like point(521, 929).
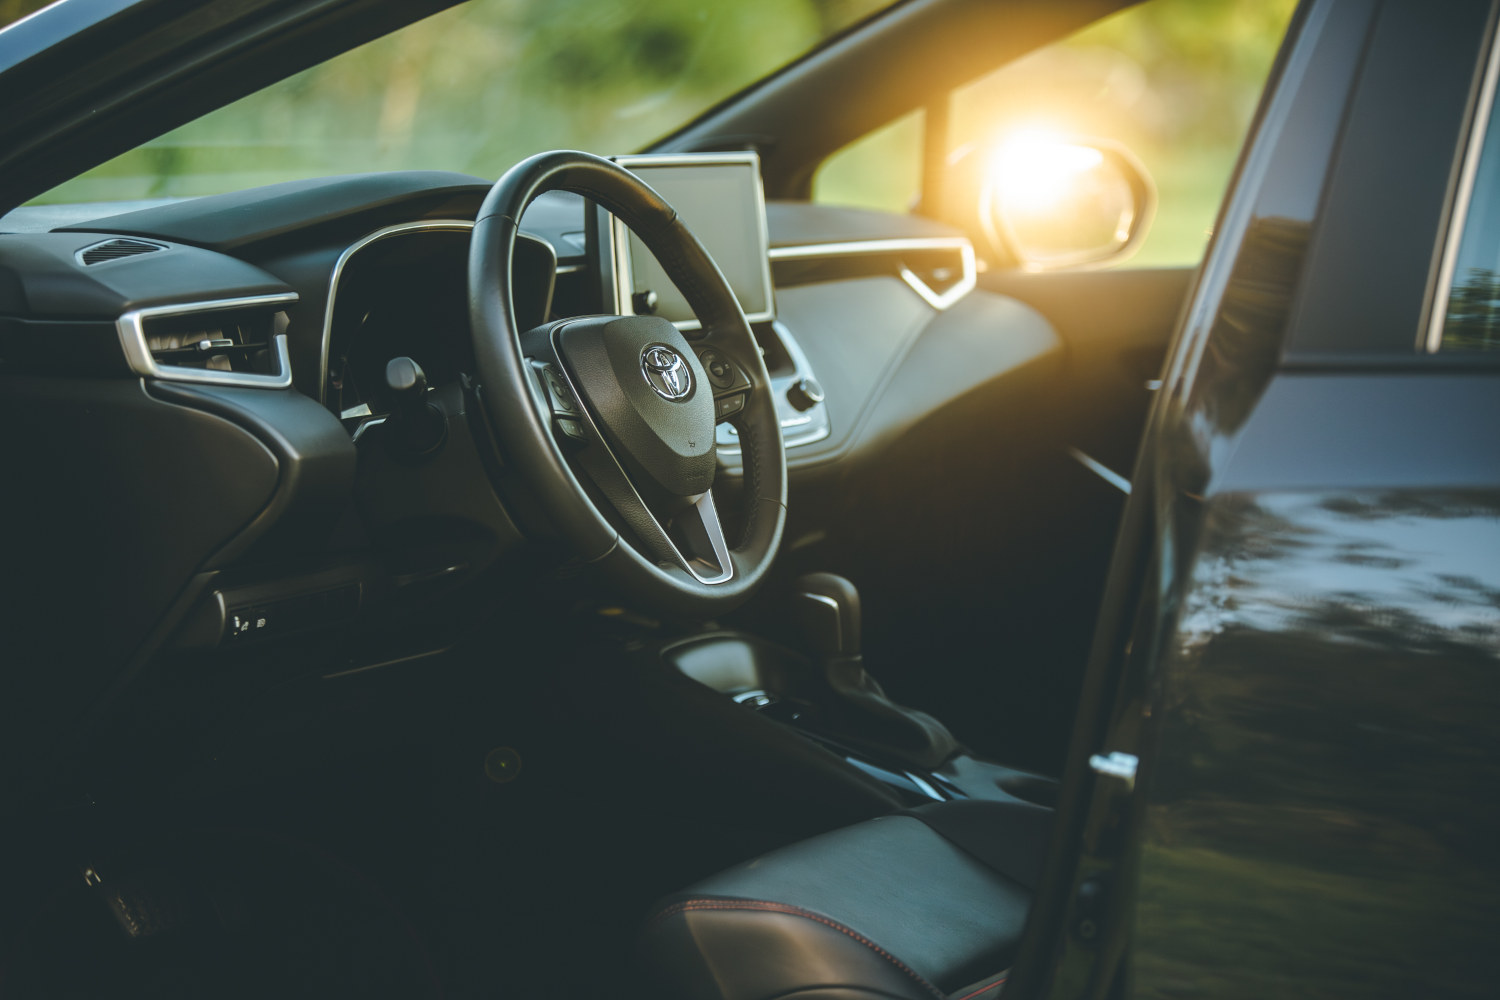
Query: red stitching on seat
point(797, 911)
point(983, 989)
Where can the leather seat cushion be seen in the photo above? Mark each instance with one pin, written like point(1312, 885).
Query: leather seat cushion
point(885, 908)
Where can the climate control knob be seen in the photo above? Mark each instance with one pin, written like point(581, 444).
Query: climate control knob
point(805, 393)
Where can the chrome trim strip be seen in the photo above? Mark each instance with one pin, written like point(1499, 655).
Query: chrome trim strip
point(708, 515)
point(401, 228)
point(1101, 470)
point(338, 273)
point(927, 789)
point(36, 13)
point(1459, 218)
point(132, 330)
point(938, 300)
point(364, 426)
point(704, 505)
point(619, 235)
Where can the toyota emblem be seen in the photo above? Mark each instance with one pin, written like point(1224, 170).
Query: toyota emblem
point(666, 371)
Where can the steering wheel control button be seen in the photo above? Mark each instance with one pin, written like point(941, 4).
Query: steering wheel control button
point(720, 370)
point(728, 406)
point(557, 392)
point(571, 428)
point(644, 303)
point(667, 372)
point(805, 393)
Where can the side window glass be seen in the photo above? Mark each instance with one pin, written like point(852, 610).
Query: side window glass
point(1472, 319)
point(1175, 82)
point(880, 170)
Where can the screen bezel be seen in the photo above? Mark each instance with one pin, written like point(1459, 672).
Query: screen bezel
point(619, 233)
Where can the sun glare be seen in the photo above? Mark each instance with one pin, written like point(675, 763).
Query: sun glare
point(1035, 170)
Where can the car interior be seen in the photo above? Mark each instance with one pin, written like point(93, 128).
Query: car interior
point(625, 577)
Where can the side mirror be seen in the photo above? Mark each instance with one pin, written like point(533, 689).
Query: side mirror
point(1057, 202)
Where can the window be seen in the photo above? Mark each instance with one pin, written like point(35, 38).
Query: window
point(881, 170)
point(1174, 81)
point(1471, 319)
point(477, 88)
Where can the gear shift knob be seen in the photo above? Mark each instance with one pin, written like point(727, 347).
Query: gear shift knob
point(828, 606)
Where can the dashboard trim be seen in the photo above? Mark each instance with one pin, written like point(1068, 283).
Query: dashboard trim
point(132, 329)
point(941, 301)
point(399, 229)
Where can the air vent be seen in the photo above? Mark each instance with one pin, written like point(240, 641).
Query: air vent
point(231, 341)
point(109, 250)
point(237, 341)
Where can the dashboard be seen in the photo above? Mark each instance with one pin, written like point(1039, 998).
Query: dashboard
point(212, 367)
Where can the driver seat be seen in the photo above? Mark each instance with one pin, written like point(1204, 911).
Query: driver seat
point(928, 904)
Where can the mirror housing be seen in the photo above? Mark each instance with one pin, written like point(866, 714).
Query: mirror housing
point(1054, 202)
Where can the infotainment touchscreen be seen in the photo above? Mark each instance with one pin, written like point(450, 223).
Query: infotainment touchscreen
point(719, 197)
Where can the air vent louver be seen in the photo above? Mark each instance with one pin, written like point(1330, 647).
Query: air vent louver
point(223, 340)
point(115, 249)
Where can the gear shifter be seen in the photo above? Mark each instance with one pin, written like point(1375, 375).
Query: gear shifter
point(856, 708)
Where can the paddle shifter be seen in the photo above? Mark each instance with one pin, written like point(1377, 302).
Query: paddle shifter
point(855, 707)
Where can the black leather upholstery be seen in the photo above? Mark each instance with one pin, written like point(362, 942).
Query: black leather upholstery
point(887, 908)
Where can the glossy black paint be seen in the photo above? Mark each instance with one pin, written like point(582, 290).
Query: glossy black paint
point(1303, 633)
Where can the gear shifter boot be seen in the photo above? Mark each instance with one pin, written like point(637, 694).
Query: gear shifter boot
point(855, 707)
point(863, 715)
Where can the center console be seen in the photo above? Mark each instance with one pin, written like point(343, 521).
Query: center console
point(821, 693)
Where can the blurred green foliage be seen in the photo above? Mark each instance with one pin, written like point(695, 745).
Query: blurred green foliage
point(1175, 81)
point(482, 85)
point(478, 87)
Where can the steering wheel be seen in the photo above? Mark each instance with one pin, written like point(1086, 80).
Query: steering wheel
point(610, 419)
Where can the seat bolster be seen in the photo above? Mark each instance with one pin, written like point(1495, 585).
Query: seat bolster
point(722, 948)
point(888, 905)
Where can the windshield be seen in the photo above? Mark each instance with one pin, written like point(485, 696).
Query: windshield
point(477, 88)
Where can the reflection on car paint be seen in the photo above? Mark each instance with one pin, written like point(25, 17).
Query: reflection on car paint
point(1322, 813)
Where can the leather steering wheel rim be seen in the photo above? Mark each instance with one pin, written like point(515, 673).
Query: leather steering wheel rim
point(522, 422)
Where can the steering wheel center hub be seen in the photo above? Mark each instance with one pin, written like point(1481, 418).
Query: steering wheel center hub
point(648, 393)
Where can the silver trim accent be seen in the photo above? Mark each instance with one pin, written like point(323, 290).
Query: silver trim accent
point(36, 13)
point(1101, 470)
point(364, 426)
point(132, 329)
point(927, 789)
point(338, 273)
point(941, 301)
point(704, 506)
point(1459, 218)
point(400, 228)
point(619, 235)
